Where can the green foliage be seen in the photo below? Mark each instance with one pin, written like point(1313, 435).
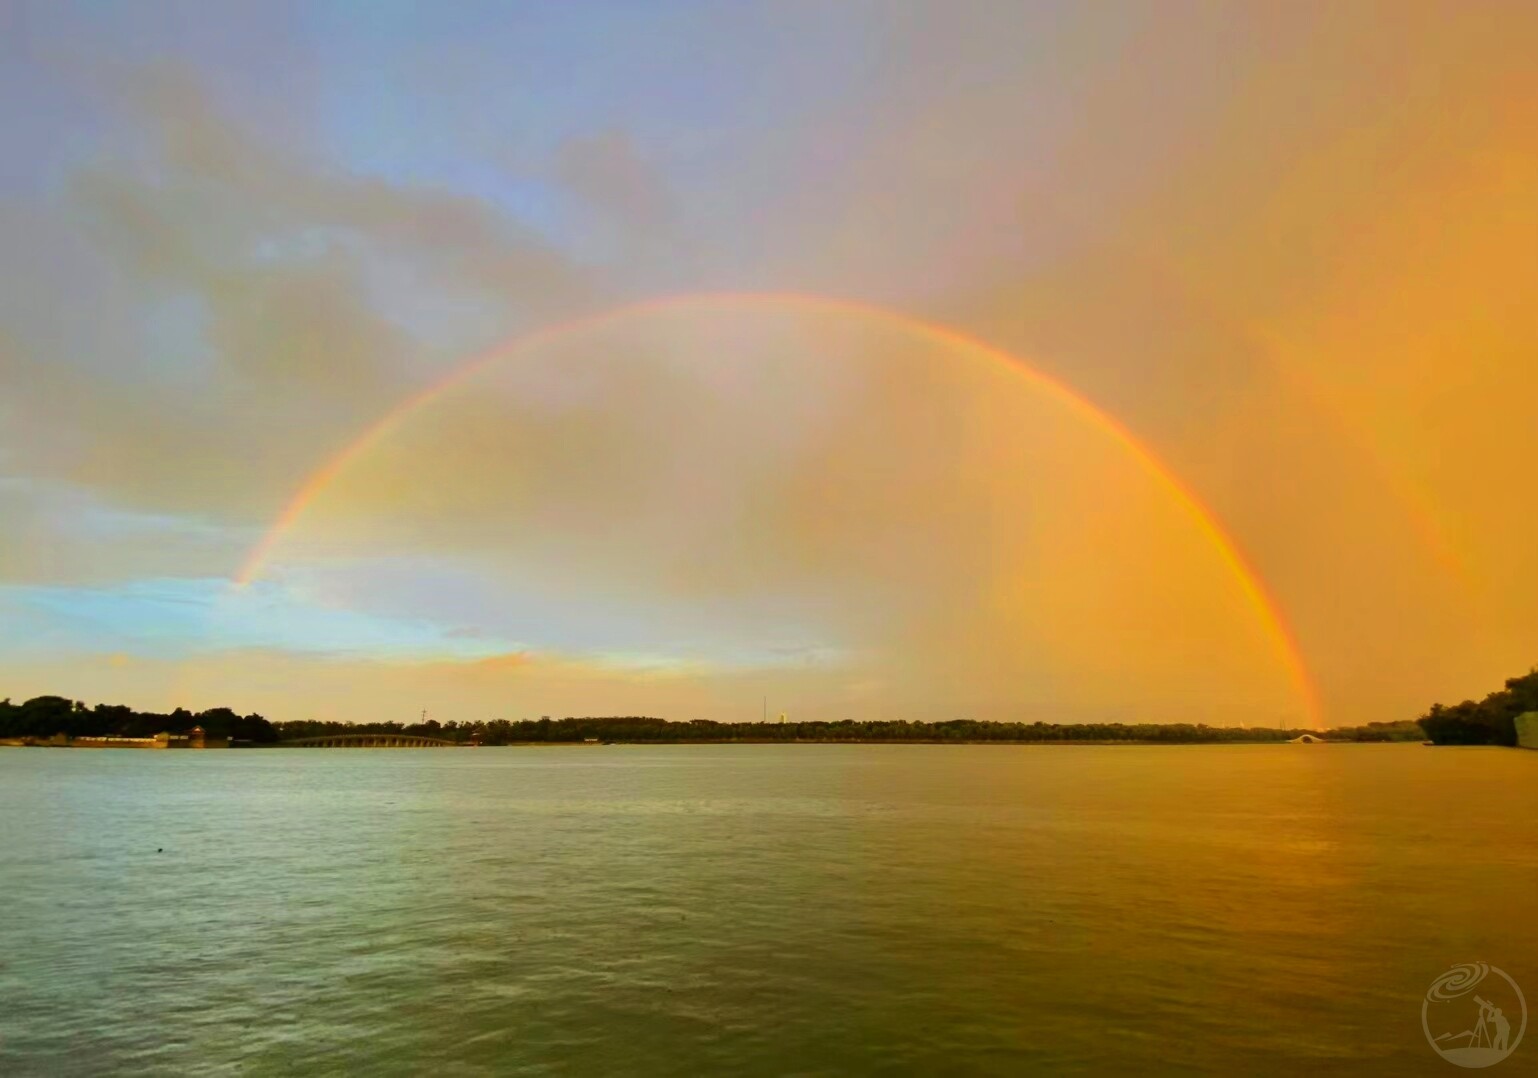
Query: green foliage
point(1492, 721)
point(44, 716)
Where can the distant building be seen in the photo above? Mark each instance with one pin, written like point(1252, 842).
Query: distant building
point(1527, 730)
point(159, 741)
point(196, 739)
point(1308, 739)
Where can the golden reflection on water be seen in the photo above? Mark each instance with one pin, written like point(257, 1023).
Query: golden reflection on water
point(819, 909)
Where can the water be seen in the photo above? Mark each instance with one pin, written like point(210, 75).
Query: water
point(755, 910)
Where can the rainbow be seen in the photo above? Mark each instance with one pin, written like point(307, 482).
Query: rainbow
point(1249, 581)
point(1420, 510)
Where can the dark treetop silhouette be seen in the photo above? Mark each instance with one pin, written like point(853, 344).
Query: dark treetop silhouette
point(1492, 721)
point(45, 716)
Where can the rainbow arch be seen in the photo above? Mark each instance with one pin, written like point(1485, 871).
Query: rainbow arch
point(1256, 594)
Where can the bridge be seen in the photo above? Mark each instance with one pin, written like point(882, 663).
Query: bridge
point(368, 741)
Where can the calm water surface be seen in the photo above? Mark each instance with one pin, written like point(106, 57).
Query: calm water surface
point(756, 910)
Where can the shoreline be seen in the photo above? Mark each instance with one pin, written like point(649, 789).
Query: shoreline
point(772, 741)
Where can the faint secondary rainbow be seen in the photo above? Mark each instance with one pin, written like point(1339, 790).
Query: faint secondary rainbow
point(1421, 511)
point(1256, 594)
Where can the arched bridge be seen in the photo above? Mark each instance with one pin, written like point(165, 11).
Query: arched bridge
point(369, 741)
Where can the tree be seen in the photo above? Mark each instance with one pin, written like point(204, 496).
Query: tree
point(1491, 721)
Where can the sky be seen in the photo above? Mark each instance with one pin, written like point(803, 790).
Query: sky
point(1135, 361)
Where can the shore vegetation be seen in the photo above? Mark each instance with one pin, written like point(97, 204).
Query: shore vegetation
point(44, 717)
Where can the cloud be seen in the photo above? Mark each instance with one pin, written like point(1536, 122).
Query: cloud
point(282, 275)
point(607, 172)
point(1291, 248)
point(56, 534)
point(498, 664)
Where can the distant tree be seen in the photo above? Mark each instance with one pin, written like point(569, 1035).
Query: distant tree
point(1491, 721)
point(44, 716)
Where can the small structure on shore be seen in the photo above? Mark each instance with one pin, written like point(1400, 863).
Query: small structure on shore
point(1527, 730)
point(195, 738)
point(1308, 739)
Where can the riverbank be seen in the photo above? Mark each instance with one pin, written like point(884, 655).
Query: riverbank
point(54, 720)
point(376, 743)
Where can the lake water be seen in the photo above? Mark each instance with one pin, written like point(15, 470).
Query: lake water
point(756, 909)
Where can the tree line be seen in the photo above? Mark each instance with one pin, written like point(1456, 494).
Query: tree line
point(45, 716)
point(1491, 721)
point(640, 728)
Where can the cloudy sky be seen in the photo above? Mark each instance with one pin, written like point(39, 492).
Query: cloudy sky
point(887, 360)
